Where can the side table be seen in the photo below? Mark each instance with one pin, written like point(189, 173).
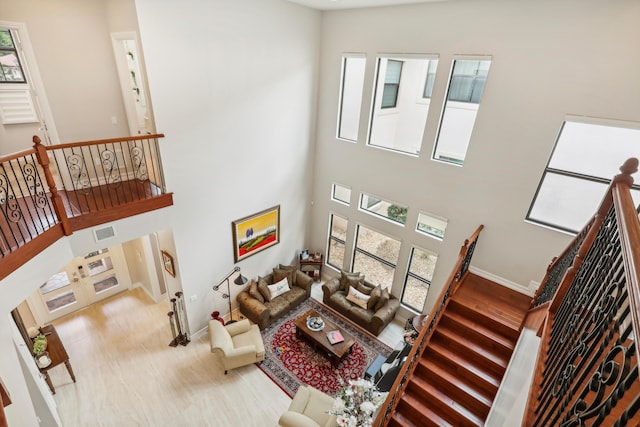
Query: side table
point(57, 354)
point(312, 266)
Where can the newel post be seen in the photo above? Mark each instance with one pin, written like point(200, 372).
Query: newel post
point(58, 205)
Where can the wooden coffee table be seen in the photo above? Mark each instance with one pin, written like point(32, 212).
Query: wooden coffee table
point(335, 352)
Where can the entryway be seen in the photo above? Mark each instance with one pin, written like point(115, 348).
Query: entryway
point(84, 281)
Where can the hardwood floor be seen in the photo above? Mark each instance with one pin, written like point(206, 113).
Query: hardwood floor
point(127, 375)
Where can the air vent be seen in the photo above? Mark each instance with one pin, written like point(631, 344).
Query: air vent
point(104, 233)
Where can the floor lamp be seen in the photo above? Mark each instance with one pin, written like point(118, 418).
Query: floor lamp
point(240, 280)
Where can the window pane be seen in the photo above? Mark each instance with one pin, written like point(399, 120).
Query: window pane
point(375, 272)
point(339, 227)
point(377, 244)
point(351, 97)
point(55, 282)
point(61, 300)
point(566, 202)
point(466, 86)
point(10, 69)
point(418, 279)
point(431, 225)
point(105, 284)
point(594, 149)
point(336, 241)
point(100, 266)
point(336, 254)
point(341, 193)
point(404, 83)
point(375, 206)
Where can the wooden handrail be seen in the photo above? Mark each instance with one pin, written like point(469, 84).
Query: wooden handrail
point(457, 275)
point(18, 155)
point(103, 141)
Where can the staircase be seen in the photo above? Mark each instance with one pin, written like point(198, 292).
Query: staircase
point(458, 375)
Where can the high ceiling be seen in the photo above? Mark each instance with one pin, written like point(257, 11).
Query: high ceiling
point(351, 4)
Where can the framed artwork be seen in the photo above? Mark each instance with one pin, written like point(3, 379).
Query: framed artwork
point(167, 261)
point(255, 233)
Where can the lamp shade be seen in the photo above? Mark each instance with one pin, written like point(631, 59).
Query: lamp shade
point(240, 280)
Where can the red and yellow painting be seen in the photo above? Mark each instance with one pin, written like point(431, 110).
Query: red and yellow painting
point(256, 232)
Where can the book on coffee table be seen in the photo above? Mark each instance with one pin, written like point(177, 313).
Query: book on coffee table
point(335, 337)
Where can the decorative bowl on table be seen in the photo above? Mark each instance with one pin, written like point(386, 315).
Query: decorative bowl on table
point(315, 323)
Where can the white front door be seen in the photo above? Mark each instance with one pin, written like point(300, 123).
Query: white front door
point(82, 282)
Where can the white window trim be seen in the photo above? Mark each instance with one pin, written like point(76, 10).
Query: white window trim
point(340, 90)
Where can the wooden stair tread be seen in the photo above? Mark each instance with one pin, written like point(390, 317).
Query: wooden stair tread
point(425, 415)
point(440, 374)
point(507, 326)
point(493, 359)
point(486, 332)
point(439, 399)
point(469, 367)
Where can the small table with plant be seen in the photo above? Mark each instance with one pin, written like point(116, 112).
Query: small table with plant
point(49, 352)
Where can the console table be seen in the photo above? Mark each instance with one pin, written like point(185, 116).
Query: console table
point(312, 266)
point(57, 354)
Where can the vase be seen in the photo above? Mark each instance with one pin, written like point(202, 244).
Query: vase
point(43, 360)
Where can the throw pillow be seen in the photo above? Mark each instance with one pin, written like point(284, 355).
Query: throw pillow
point(357, 297)
point(384, 299)
point(349, 279)
point(254, 292)
point(365, 289)
point(279, 288)
point(374, 297)
point(290, 267)
point(279, 274)
point(263, 287)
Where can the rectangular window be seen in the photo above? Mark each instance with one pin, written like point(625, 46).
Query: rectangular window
point(431, 225)
point(375, 255)
point(466, 86)
point(388, 210)
point(586, 156)
point(352, 85)
point(337, 241)
point(10, 67)
point(418, 279)
point(340, 193)
point(402, 95)
point(391, 84)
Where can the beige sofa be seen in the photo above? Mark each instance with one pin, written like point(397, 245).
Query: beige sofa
point(257, 305)
point(378, 311)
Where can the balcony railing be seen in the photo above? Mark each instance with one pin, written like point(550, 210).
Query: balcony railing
point(51, 191)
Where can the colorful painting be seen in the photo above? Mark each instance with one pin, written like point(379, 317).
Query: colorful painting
point(255, 233)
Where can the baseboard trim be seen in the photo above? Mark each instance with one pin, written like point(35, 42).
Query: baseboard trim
point(504, 282)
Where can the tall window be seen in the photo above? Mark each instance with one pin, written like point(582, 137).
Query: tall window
point(586, 156)
point(402, 95)
point(10, 67)
point(337, 241)
point(418, 279)
point(375, 255)
point(466, 86)
point(351, 87)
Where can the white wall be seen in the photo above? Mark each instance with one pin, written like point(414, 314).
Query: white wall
point(234, 89)
point(549, 59)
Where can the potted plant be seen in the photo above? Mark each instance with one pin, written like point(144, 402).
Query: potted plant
point(40, 351)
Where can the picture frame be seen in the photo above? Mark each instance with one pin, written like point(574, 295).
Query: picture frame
point(304, 254)
point(167, 262)
point(255, 233)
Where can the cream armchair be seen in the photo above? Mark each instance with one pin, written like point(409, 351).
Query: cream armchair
point(309, 408)
point(238, 344)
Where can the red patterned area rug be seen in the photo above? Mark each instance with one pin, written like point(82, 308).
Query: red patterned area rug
point(290, 361)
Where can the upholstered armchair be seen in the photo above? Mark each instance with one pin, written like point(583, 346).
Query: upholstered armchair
point(309, 408)
point(237, 344)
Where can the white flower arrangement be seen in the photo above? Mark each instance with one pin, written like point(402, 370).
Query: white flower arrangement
point(356, 403)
